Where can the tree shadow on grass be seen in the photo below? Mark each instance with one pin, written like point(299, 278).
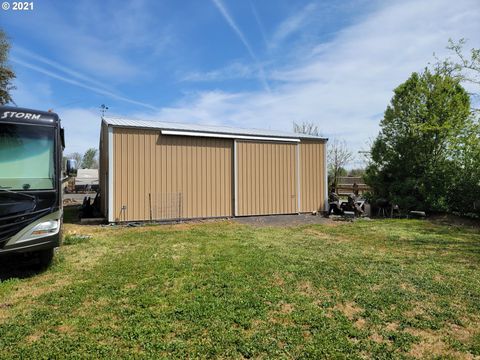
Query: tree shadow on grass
point(462, 248)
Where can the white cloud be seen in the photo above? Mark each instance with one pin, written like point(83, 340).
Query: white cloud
point(344, 86)
point(292, 24)
point(235, 70)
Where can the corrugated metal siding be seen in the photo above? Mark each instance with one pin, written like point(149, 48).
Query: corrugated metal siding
point(312, 176)
point(103, 169)
point(169, 177)
point(266, 178)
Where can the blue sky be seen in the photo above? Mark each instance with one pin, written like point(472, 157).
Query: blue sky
point(249, 63)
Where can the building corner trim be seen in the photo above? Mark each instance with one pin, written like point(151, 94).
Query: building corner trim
point(235, 178)
point(325, 170)
point(299, 203)
point(110, 175)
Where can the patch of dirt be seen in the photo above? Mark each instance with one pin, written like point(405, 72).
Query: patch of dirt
point(306, 288)
point(408, 287)
point(317, 234)
point(3, 315)
point(4, 308)
point(416, 310)
point(257, 323)
point(90, 303)
point(306, 334)
point(375, 337)
point(349, 309)
point(432, 345)
point(65, 329)
point(33, 337)
point(461, 333)
point(360, 323)
point(250, 331)
point(278, 316)
point(130, 286)
point(393, 326)
point(278, 280)
point(286, 308)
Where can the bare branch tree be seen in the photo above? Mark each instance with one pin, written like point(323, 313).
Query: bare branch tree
point(465, 66)
point(338, 157)
point(305, 127)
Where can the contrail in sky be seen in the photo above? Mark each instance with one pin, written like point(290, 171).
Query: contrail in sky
point(78, 83)
point(228, 18)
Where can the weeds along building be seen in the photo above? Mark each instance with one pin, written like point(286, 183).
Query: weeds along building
point(153, 170)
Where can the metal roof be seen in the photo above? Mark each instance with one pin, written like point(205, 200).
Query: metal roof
point(227, 130)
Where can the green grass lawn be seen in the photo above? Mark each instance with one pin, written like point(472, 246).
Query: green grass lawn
point(369, 289)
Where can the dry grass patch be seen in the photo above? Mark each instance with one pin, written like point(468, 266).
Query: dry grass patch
point(306, 288)
point(393, 326)
point(461, 333)
point(349, 309)
point(377, 338)
point(278, 280)
point(65, 329)
point(318, 234)
point(30, 339)
point(286, 308)
point(432, 345)
point(360, 323)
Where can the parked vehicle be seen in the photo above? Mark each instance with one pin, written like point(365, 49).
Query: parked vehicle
point(31, 211)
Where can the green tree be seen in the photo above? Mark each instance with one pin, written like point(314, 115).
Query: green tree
point(412, 159)
point(89, 160)
point(6, 73)
point(464, 65)
point(463, 196)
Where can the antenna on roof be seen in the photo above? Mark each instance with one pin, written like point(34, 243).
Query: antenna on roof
point(103, 109)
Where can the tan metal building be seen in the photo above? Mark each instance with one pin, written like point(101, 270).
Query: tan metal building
point(153, 170)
